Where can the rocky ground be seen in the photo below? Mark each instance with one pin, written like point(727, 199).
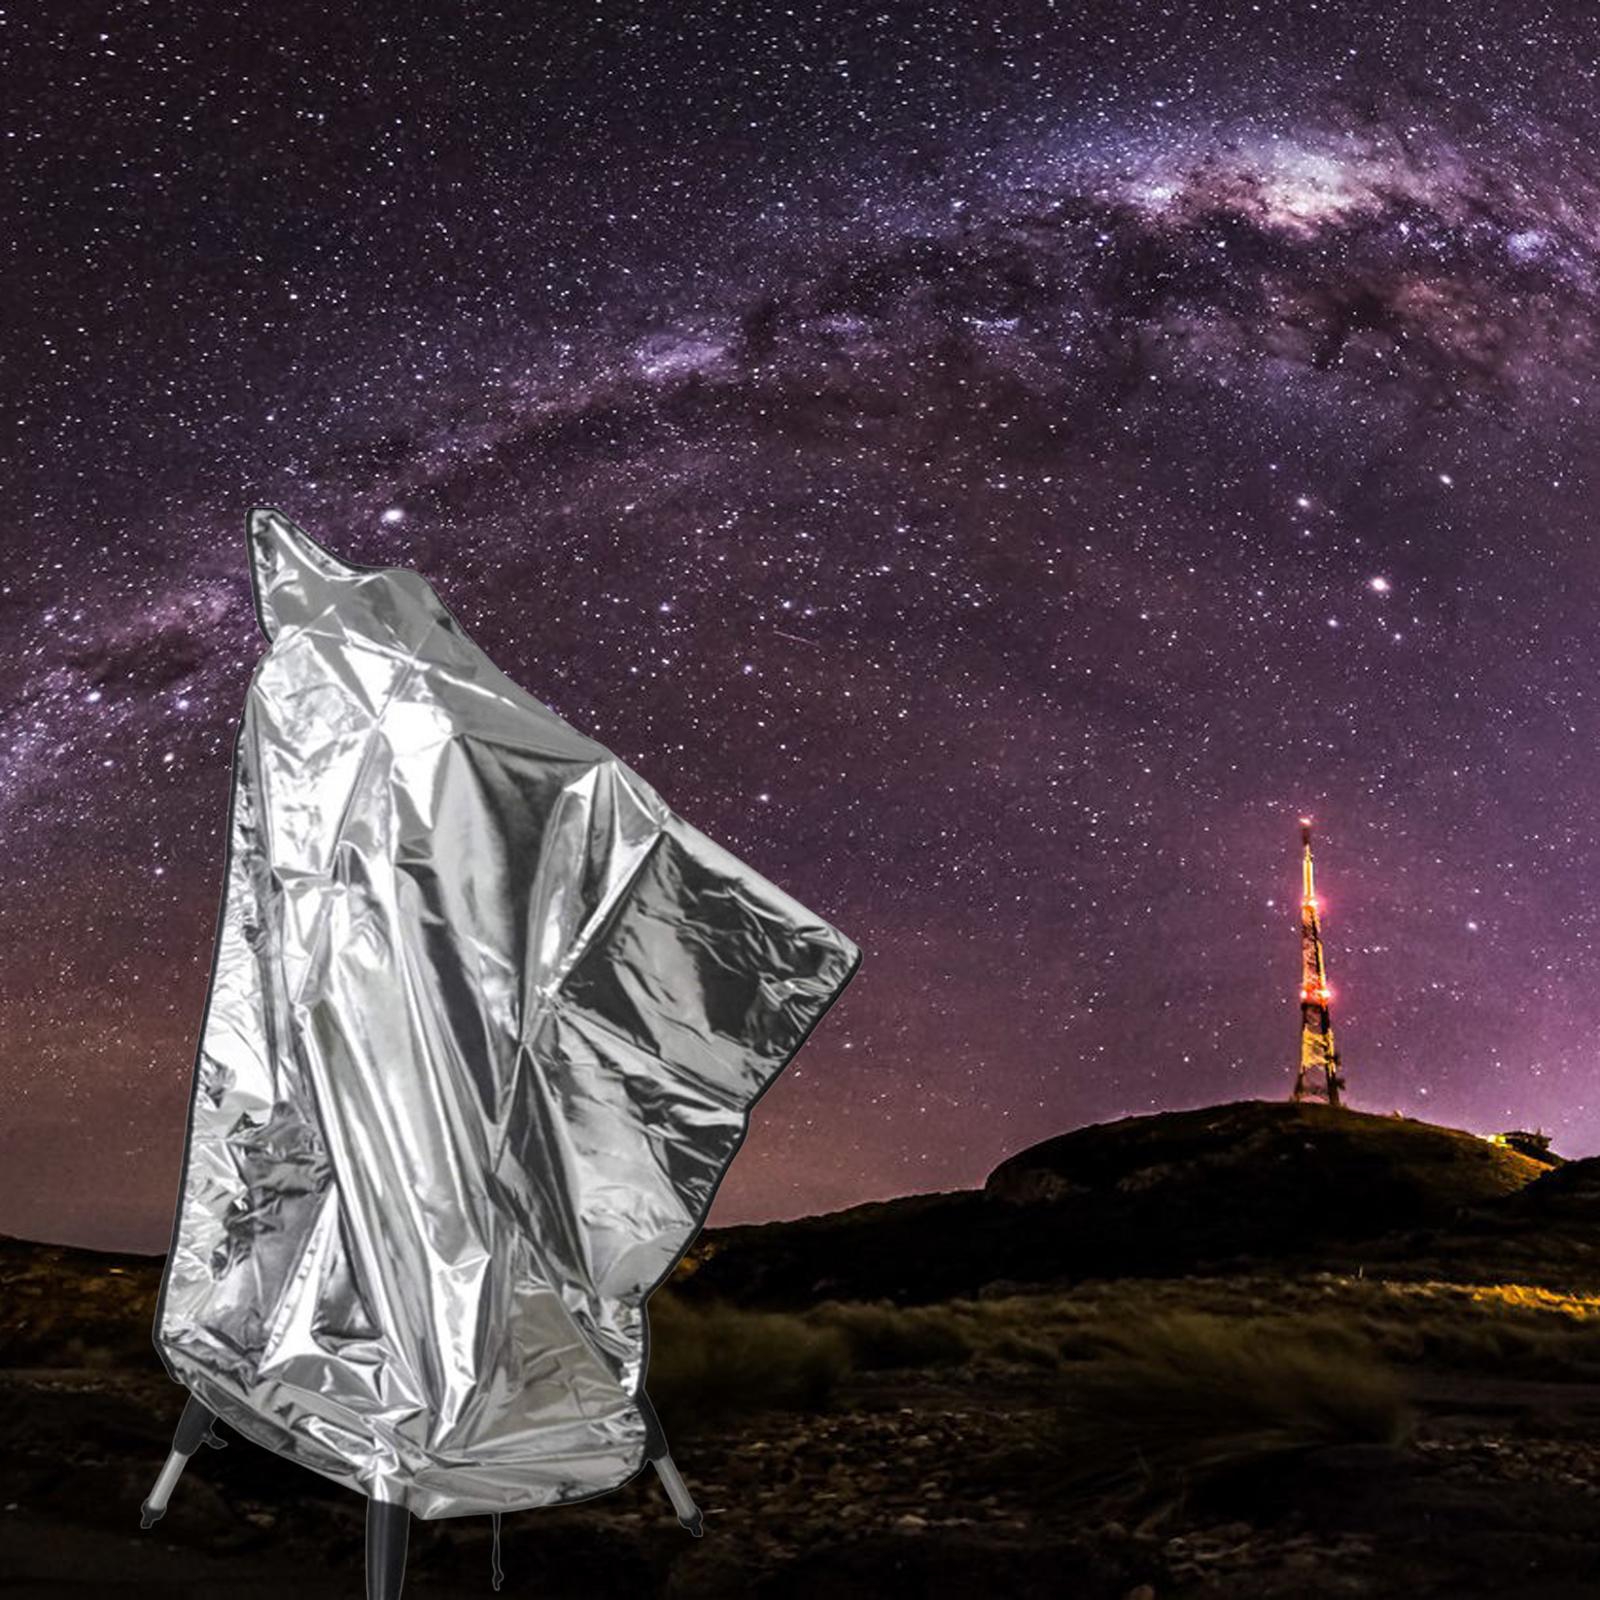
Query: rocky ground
point(909, 1483)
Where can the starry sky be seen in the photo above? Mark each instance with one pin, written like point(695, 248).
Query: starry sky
point(990, 466)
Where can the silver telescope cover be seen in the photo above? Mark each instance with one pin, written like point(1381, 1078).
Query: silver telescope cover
point(485, 1024)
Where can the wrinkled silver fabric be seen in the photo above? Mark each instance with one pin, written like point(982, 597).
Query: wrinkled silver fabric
point(485, 1025)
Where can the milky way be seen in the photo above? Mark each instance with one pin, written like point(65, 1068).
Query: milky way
point(992, 467)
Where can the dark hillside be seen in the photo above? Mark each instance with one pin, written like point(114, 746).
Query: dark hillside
point(1180, 1192)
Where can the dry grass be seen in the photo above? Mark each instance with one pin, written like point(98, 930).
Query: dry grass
point(879, 1335)
point(1163, 1338)
point(710, 1360)
point(1510, 1329)
point(1189, 1395)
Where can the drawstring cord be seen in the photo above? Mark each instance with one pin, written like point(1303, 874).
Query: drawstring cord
point(660, 1458)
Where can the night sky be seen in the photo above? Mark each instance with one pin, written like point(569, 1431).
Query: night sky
point(992, 467)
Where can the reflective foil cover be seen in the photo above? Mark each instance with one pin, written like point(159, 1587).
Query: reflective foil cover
point(486, 1021)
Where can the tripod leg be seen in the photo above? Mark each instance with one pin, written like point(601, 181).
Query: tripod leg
point(678, 1494)
point(194, 1429)
point(388, 1531)
point(655, 1449)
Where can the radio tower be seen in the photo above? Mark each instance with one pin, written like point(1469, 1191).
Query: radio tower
point(1318, 1076)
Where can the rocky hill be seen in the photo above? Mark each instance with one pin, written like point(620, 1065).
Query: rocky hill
point(1179, 1192)
point(1350, 1170)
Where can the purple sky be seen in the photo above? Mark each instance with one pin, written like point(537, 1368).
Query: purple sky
point(992, 468)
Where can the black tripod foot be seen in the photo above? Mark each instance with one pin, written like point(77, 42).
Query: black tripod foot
point(388, 1532)
point(695, 1524)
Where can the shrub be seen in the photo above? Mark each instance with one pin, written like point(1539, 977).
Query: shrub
point(881, 1335)
point(710, 1359)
